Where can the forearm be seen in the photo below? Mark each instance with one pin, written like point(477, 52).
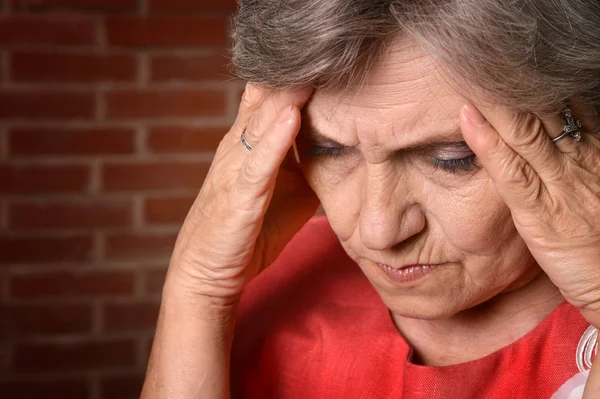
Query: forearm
point(226, 239)
point(191, 351)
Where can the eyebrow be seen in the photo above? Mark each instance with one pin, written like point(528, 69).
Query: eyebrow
point(427, 144)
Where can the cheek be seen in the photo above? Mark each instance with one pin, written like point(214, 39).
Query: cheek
point(339, 194)
point(474, 219)
point(471, 216)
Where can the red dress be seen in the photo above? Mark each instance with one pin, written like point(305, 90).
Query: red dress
point(311, 326)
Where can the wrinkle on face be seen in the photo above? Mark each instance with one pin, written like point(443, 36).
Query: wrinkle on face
point(394, 207)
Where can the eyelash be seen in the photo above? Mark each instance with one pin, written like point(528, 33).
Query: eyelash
point(321, 152)
point(454, 166)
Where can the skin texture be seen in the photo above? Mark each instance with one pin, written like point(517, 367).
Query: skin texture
point(389, 203)
point(238, 204)
point(511, 238)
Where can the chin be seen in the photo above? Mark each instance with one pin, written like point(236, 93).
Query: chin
point(424, 307)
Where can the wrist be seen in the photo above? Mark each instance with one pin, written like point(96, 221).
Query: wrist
point(184, 297)
point(195, 278)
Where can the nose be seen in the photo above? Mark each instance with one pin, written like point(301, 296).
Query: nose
point(388, 216)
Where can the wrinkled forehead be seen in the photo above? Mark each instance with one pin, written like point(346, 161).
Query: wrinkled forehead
point(406, 94)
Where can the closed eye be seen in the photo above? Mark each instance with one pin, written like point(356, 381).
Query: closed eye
point(317, 151)
point(450, 165)
point(456, 166)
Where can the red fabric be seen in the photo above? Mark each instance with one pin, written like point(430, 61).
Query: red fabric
point(311, 326)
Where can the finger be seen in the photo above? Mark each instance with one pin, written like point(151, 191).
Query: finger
point(271, 108)
point(259, 171)
point(297, 97)
point(523, 133)
point(252, 99)
point(515, 179)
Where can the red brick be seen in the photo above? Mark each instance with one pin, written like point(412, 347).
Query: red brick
point(174, 139)
point(59, 141)
point(65, 284)
point(154, 175)
point(20, 320)
point(77, 356)
point(121, 387)
point(193, 67)
point(46, 29)
point(45, 249)
point(183, 31)
point(140, 246)
point(155, 279)
point(69, 214)
point(71, 388)
point(175, 103)
point(84, 5)
point(46, 105)
point(192, 5)
point(3, 75)
point(43, 178)
point(73, 67)
point(167, 209)
point(130, 316)
point(6, 352)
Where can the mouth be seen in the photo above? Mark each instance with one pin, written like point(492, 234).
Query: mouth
point(407, 273)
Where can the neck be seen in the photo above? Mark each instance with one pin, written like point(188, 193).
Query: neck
point(479, 331)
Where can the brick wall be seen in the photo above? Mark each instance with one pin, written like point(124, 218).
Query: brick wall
point(110, 111)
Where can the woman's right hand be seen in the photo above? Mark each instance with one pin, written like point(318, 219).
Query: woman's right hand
point(251, 203)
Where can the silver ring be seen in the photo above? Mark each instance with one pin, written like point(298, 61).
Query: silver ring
point(571, 127)
point(245, 143)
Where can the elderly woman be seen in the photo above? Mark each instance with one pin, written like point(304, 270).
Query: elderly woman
point(453, 145)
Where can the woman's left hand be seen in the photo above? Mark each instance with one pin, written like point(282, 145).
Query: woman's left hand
point(552, 190)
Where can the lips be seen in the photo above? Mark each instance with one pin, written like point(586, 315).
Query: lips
point(408, 273)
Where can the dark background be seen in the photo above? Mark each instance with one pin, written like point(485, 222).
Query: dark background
point(110, 112)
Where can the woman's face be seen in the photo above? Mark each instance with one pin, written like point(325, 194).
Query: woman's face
point(401, 188)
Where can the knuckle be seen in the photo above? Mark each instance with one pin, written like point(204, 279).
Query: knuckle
point(522, 179)
point(246, 101)
point(516, 171)
point(252, 97)
point(247, 107)
point(525, 129)
point(256, 127)
point(250, 174)
point(533, 195)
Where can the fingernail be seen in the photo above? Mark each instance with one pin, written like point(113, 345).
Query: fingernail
point(475, 116)
point(285, 115)
point(296, 154)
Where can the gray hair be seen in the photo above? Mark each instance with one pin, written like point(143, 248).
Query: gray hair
point(529, 54)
